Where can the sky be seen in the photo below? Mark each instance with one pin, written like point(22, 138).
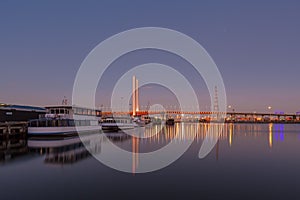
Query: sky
point(255, 45)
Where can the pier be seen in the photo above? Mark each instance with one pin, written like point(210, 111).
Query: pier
point(12, 140)
point(10, 129)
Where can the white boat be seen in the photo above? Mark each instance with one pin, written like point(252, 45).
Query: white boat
point(138, 122)
point(146, 119)
point(65, 120)
point(141, 121)
point(115, 124)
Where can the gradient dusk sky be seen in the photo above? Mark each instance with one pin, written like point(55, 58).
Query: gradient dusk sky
point(255, 44)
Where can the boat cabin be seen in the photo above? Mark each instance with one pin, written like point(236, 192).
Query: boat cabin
point(71, 110)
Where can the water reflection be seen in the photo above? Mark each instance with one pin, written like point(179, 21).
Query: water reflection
point(135, 155)
point(12, 148)
point(230, 133)
point(67, 150)
point(186, 131)
point(251, 158)
point(279, 132)
point(71, 150)
point(270, 135)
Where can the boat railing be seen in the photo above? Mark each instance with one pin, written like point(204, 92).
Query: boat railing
point(117, 120)
point(49, 122)
point(55, 116)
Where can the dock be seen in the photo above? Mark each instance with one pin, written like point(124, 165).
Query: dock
point(10, 129)
point(12, 140)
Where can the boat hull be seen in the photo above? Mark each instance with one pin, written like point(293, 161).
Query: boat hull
point(56, 131)
point(116, 127)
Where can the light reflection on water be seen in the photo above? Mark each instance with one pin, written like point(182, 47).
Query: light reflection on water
point(70, 150)
point(246, 154)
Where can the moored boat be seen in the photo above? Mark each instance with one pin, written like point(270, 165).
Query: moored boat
point(65, 120)
point(170, 121)
point(115, 124)
point(147, 119)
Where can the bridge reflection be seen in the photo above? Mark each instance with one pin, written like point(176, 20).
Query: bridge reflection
point(71, 150)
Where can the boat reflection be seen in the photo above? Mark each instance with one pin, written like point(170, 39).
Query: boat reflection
point(117, 136)
point(67, 150)
point(149, 138)
point(72, 149)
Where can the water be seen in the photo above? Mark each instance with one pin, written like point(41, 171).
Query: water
point(250, 161)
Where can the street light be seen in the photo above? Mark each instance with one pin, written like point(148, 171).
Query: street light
point(269, 108)
point(229, 107)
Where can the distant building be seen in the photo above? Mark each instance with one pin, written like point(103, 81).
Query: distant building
point(10, 112)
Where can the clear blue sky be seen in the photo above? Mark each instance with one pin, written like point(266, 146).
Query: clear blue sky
point(255, 44)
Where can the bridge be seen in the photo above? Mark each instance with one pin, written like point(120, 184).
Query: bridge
point(203, 116)
point(209, 115)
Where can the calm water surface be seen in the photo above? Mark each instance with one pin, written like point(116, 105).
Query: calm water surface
point(250, 161)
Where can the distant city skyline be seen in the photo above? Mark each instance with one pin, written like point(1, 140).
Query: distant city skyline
point(255, 45)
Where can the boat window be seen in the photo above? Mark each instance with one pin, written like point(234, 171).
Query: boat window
point(62, 122)
point(79, 111)
point(48, 123)
point(98, 113)
point(85, 112)
point(66, 122)
point(71, 122)
point(94, 123)
point(51, 123)
point(42, 123)
point(77, 123)
point(89, 112)
point(55, 123)
point(33, 123)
